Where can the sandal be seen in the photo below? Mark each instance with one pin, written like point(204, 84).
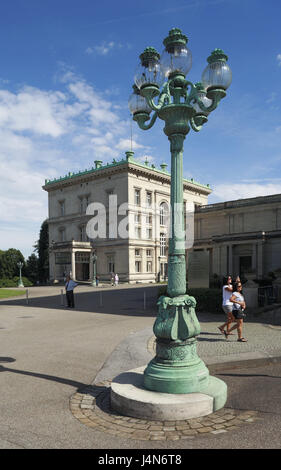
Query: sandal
point(221, 329)
point(226, 334)
point(242, 340)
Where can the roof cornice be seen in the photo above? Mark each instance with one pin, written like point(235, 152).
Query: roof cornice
point(130, 164)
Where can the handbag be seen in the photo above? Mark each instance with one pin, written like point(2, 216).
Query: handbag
point(238, 314)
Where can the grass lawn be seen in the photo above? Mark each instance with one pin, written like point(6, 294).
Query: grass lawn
point(4, 293)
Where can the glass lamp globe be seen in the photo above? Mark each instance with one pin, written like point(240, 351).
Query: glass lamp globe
point(217, 74)
point(201, 93)
point(149, 71)
point(137, 103)
point(177, 59)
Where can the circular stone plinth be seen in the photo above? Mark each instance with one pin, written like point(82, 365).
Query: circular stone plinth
point(130, 398)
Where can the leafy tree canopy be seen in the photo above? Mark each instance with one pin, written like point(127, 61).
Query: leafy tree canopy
point(9, 260)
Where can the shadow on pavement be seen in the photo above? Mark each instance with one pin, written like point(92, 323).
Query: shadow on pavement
point(130, 301)
point(73, 383)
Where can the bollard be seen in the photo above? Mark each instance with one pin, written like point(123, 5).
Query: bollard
point(144, 300)
point(61, 297)
point(26, 294)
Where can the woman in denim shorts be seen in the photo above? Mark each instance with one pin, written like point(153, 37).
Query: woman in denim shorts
point(239, 306)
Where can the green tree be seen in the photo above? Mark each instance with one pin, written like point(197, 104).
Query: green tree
point(8, 263)
point(31, 270)
point(42, 249)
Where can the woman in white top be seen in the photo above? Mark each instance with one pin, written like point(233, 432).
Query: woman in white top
point(239, 306)
point(227, 305)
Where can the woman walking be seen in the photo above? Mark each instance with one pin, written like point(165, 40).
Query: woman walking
point(226, 304)
point(239, 306)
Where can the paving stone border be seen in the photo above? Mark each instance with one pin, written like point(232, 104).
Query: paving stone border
point(91, 406)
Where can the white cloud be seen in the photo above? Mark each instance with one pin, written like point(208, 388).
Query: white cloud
point(104, 48)
point(126, 144)
point(32, 110)
point(231, 191)
point(44, 134)
point(279, 59)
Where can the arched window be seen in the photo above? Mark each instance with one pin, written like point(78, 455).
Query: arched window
point(164, 213)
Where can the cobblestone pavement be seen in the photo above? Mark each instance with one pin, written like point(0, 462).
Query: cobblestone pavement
point(91, 407)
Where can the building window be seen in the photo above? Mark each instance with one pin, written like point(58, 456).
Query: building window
point(137, 266)
point(149, 266)
point(164, 213)
point(148, 253)
point(81, 205)
point(62, 235)
point(111, 264)
point(148, 233)
point(148, 199)
point(82, 257)
point(148, 219)
point(137, 197)
point(162, 244)
point(137, 252)
point(110, 193)
point(82, 233)
point(137, 232)
point(137, 218)
point(62, 208)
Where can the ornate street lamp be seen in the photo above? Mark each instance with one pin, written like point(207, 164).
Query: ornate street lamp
point(161, 87)
point(20, 266)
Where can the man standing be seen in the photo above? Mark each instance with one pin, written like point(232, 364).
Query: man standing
point(69, 286)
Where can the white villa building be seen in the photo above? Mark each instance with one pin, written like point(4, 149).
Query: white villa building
point(139, 257)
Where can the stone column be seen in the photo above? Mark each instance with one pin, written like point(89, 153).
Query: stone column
point(91, 267)
point(230, 260)
point(254, 256)
point(260, 260)
point(73, 265)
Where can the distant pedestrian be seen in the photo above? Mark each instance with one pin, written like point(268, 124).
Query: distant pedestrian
point(116, 279)
point(112, 279)
point(69, 287)
point(227, 305)
point(97, 281)
point(239, 306)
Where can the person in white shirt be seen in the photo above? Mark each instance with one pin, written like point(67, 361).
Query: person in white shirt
point(227, 305)
point(69, 286)
point(116, 279)
point(239, 306)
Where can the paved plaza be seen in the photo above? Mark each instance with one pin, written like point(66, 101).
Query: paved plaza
point(56, 366)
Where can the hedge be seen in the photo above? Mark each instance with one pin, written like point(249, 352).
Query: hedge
point(208, 300)
point(14, 282)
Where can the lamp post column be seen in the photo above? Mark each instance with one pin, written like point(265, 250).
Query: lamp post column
point(176, 262)
point(20, 283)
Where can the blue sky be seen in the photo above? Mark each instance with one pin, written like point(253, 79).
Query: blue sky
point(66, 71)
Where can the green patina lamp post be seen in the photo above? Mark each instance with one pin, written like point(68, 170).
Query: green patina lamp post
point(20, 266)
point(182, 105)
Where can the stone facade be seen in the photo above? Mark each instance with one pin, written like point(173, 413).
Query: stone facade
point(139, 257)
point(242, 236)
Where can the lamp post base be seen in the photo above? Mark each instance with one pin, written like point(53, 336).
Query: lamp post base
point(130, 398)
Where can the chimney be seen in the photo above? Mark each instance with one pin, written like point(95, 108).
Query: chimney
point(98, 163)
